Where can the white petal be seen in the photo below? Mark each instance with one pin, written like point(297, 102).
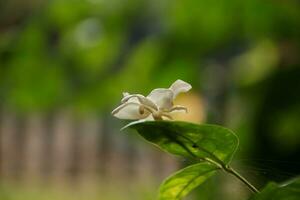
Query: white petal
point(130, 110)
point(127, 97)
point(163, 98)
point(149, 118)
point(125, 94)
point(138, 98)
point(180, 86)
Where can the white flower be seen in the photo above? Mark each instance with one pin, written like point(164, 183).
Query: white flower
point(158, 105)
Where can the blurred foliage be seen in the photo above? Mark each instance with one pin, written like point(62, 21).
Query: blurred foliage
point(83, 53)
point(91, 190)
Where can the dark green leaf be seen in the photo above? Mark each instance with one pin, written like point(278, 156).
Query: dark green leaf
point(190, 140)
point(182, 182)
point(273, 191)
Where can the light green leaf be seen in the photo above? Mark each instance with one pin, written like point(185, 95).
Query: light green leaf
point(273, 191)
point(190, 140)
point(182, 182)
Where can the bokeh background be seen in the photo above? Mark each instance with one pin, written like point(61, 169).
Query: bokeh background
point(64, 65)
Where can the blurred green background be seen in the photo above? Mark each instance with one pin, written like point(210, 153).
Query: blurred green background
point(64, 65)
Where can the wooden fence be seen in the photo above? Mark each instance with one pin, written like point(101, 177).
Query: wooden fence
point(60, 147)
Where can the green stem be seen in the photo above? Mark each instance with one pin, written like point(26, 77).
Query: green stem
point(231, 171)
point(241, 178)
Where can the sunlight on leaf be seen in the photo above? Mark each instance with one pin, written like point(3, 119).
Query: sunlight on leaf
point(182, 182)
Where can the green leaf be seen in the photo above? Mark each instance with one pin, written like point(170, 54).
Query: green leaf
point(273, 191)
point(182, 182)
point(190, 140)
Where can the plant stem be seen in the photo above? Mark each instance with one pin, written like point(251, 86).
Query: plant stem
point(231, 171)
point(241, 178)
